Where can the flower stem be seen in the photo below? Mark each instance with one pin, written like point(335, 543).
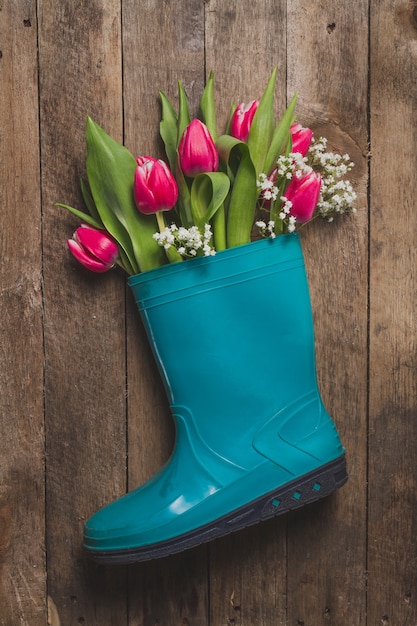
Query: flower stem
point(219, 229)
point(172, 254)
point(161, 221)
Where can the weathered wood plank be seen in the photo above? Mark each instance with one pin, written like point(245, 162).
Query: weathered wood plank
point(80, 74)
point(392, 580)
point(327, 65)
point(244, 41)
point(22, 509)
point(163, 42)
point(256, 576)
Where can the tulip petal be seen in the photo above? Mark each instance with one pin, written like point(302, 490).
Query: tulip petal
point(154, 186)
point(304, 194)
point(197, 151)
point(97, 243)
point(301, 138)
point(85, 259)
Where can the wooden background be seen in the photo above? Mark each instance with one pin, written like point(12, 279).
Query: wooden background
point(83, 416)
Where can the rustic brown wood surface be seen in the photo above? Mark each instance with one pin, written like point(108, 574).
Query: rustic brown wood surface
point(83, 415)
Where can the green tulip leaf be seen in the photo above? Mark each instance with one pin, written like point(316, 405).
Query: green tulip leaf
point(229, 119)
point(124, 262)
point(184, 199)
point(230, 152)
point(88, 201)
point(262, 127)
point(183, 112)
point(84, 217)
point(110, 171)
point(242, 204)
point(219, 228)
point(208, 193)
point(208, 108)
point(168, 128)
point(236, 159)
point(280, 137)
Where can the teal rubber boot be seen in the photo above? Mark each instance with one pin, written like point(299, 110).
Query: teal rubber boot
point(233, 338)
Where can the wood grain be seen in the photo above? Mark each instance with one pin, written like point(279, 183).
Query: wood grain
point(326, 546)
point(393, 321)
point(85, 406)
point(83, 412)
point(22, 493)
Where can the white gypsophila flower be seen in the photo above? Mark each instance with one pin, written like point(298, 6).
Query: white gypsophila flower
point(267, 230)
point(268, 191)
point(292, 221)
point(271, 229)
point(286, 205)
point(336, 196)
point(189, 242)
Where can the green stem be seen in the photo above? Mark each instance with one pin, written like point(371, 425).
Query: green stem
point(173, 255)
point(161, 221)
point(219, 229)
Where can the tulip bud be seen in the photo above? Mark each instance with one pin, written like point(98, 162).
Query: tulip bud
point(154, 188)
point(304, 193)
point(301, 138)
point(197, 151)
point(93, 248)
point(242, 119)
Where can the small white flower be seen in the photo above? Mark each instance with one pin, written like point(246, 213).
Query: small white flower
point(187, 241)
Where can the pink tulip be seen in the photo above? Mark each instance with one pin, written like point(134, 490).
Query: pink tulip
point(242, 119)
point(301, 138)
point(197, 151)
point(304, 194)
point(93, 248)
point(154, 188)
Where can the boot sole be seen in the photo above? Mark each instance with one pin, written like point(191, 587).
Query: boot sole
point(311, 487)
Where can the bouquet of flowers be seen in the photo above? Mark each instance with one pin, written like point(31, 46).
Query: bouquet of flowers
point(260, 178)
